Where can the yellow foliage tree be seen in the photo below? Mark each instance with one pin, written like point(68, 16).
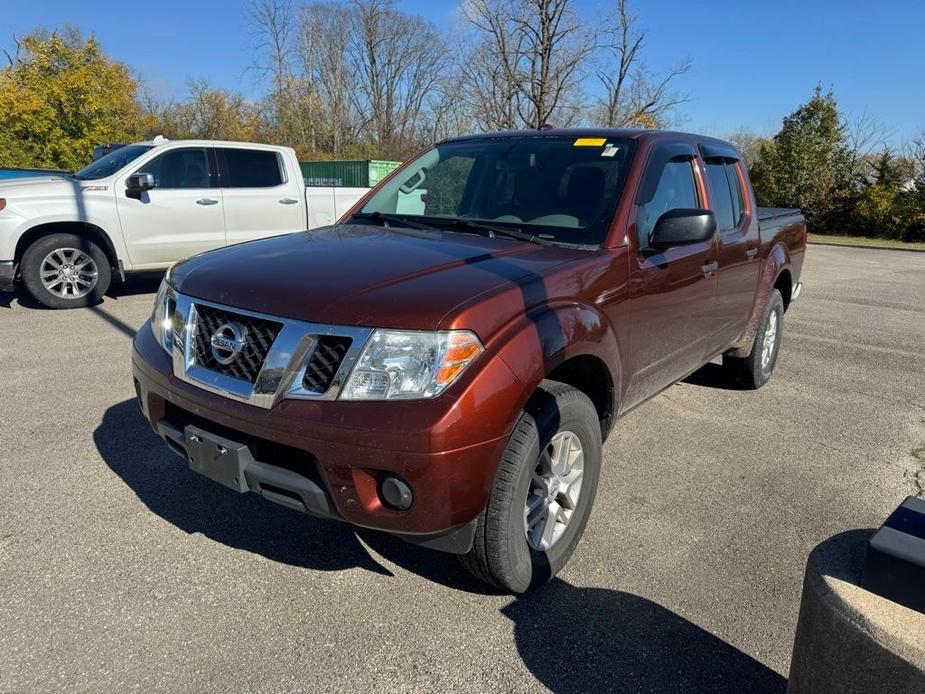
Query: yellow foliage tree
point(61, 96)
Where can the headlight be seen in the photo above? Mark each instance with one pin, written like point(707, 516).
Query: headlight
point(162, 316)
point(402, 364)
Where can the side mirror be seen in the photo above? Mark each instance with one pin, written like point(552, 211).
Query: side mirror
point(682, 226)
point(138, 183)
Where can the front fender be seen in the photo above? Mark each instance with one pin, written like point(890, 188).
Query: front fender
point(535, 343)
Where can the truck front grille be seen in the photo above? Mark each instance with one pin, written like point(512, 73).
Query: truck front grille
point(259, 335)
point(324, 362)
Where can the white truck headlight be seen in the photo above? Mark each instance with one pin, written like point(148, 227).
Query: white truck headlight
point(405, 364)
point(162, 316)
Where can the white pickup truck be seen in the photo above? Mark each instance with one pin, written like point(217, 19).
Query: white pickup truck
point(146, 206)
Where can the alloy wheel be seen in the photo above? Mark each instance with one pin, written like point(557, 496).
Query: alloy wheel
point(554, 491)
point(770, 340)
point(69, 273)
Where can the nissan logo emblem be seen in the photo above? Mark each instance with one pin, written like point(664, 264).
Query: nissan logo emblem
point(227, 342)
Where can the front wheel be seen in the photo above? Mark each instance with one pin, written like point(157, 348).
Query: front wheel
point(543, 492)
point(65, 271)
point(754, 370)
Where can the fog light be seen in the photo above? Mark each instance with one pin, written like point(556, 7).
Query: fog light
point(395, 493)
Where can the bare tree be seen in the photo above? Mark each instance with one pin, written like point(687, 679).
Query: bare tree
point(749, 145)
point(865, 138)
point(397, 61)
point(272, 31)
point(324, 43)
point(528, 60)
point(632, 96)
point(209, 113)
point(491, 94)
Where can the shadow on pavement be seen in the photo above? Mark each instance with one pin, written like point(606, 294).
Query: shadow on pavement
point(135, 283)
point(713, 376)
point(598, 640)
point(572, 639)
point(165, 484)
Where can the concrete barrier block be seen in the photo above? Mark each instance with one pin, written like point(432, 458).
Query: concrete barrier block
point(849, 640)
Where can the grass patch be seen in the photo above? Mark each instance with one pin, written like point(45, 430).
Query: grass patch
point(867, 242)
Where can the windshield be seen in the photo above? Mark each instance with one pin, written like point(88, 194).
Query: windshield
point(111, 163)
point(560, 189)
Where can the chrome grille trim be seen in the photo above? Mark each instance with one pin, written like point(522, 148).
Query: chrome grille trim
point(283, 370)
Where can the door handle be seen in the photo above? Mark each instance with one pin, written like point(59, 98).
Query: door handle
point(708, 268)
point(288, 201)
point(751, 253)
point(207, 201)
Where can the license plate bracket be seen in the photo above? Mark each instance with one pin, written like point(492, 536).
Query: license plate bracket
point(221, 460)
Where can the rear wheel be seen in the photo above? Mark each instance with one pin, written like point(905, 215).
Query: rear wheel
point(65, 271)
point(543, 492)
point(755, 370)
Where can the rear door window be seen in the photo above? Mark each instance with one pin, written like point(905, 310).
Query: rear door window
point(721, 196)
point(738, 195)
point(250, 168)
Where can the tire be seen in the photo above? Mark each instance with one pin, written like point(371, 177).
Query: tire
point(84, 271)
point(755, 370)
point(502, 554)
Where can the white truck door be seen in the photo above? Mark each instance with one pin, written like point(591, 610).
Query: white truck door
point(180, 217)
point(261, 197)
point(321, 208)
point(327, 204)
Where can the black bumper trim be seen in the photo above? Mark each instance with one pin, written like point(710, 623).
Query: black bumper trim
point(7, 275)
point(292, 490)
point(456, 540)
point(273, 483)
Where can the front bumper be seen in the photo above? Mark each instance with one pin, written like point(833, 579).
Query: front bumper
point(447, 449)
point(7, 275)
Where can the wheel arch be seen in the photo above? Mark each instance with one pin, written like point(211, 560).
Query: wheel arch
point(84, 229)
point(572, 344)
point(784, 284)
point(589, 374)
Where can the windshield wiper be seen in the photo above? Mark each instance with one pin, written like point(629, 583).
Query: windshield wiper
point(492, 230)
point(387, 219)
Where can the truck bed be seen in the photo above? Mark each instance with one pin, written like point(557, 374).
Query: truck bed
point(766, 214)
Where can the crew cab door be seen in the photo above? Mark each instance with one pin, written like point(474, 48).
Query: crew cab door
point(737, 227)
point(261, 198)
point(180, 216)
point(672, 291)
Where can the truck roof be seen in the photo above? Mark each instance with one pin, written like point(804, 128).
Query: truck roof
point(161, 141)
point(632, 133)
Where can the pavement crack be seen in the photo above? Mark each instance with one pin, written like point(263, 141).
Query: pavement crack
point(918, 476)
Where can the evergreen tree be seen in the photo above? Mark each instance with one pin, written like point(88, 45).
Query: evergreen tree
point(808, 164)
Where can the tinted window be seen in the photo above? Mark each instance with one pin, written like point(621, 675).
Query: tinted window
point(112, 162)
point(178, 168)
point(738, 197)
point(721, 197)
point(676, 190)
point(559, 188)
point(250, 168)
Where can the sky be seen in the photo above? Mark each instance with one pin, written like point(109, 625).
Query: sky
point(753, 61)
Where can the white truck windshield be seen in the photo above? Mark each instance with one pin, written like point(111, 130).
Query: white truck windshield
point(111, 163)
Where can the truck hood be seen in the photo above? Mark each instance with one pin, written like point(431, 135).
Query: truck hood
point(364, 275)
point(45, 186)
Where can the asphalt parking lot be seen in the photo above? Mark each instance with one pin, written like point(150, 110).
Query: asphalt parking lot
point(120, 570)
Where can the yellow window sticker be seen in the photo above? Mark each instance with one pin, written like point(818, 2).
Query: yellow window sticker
point(590, 141)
